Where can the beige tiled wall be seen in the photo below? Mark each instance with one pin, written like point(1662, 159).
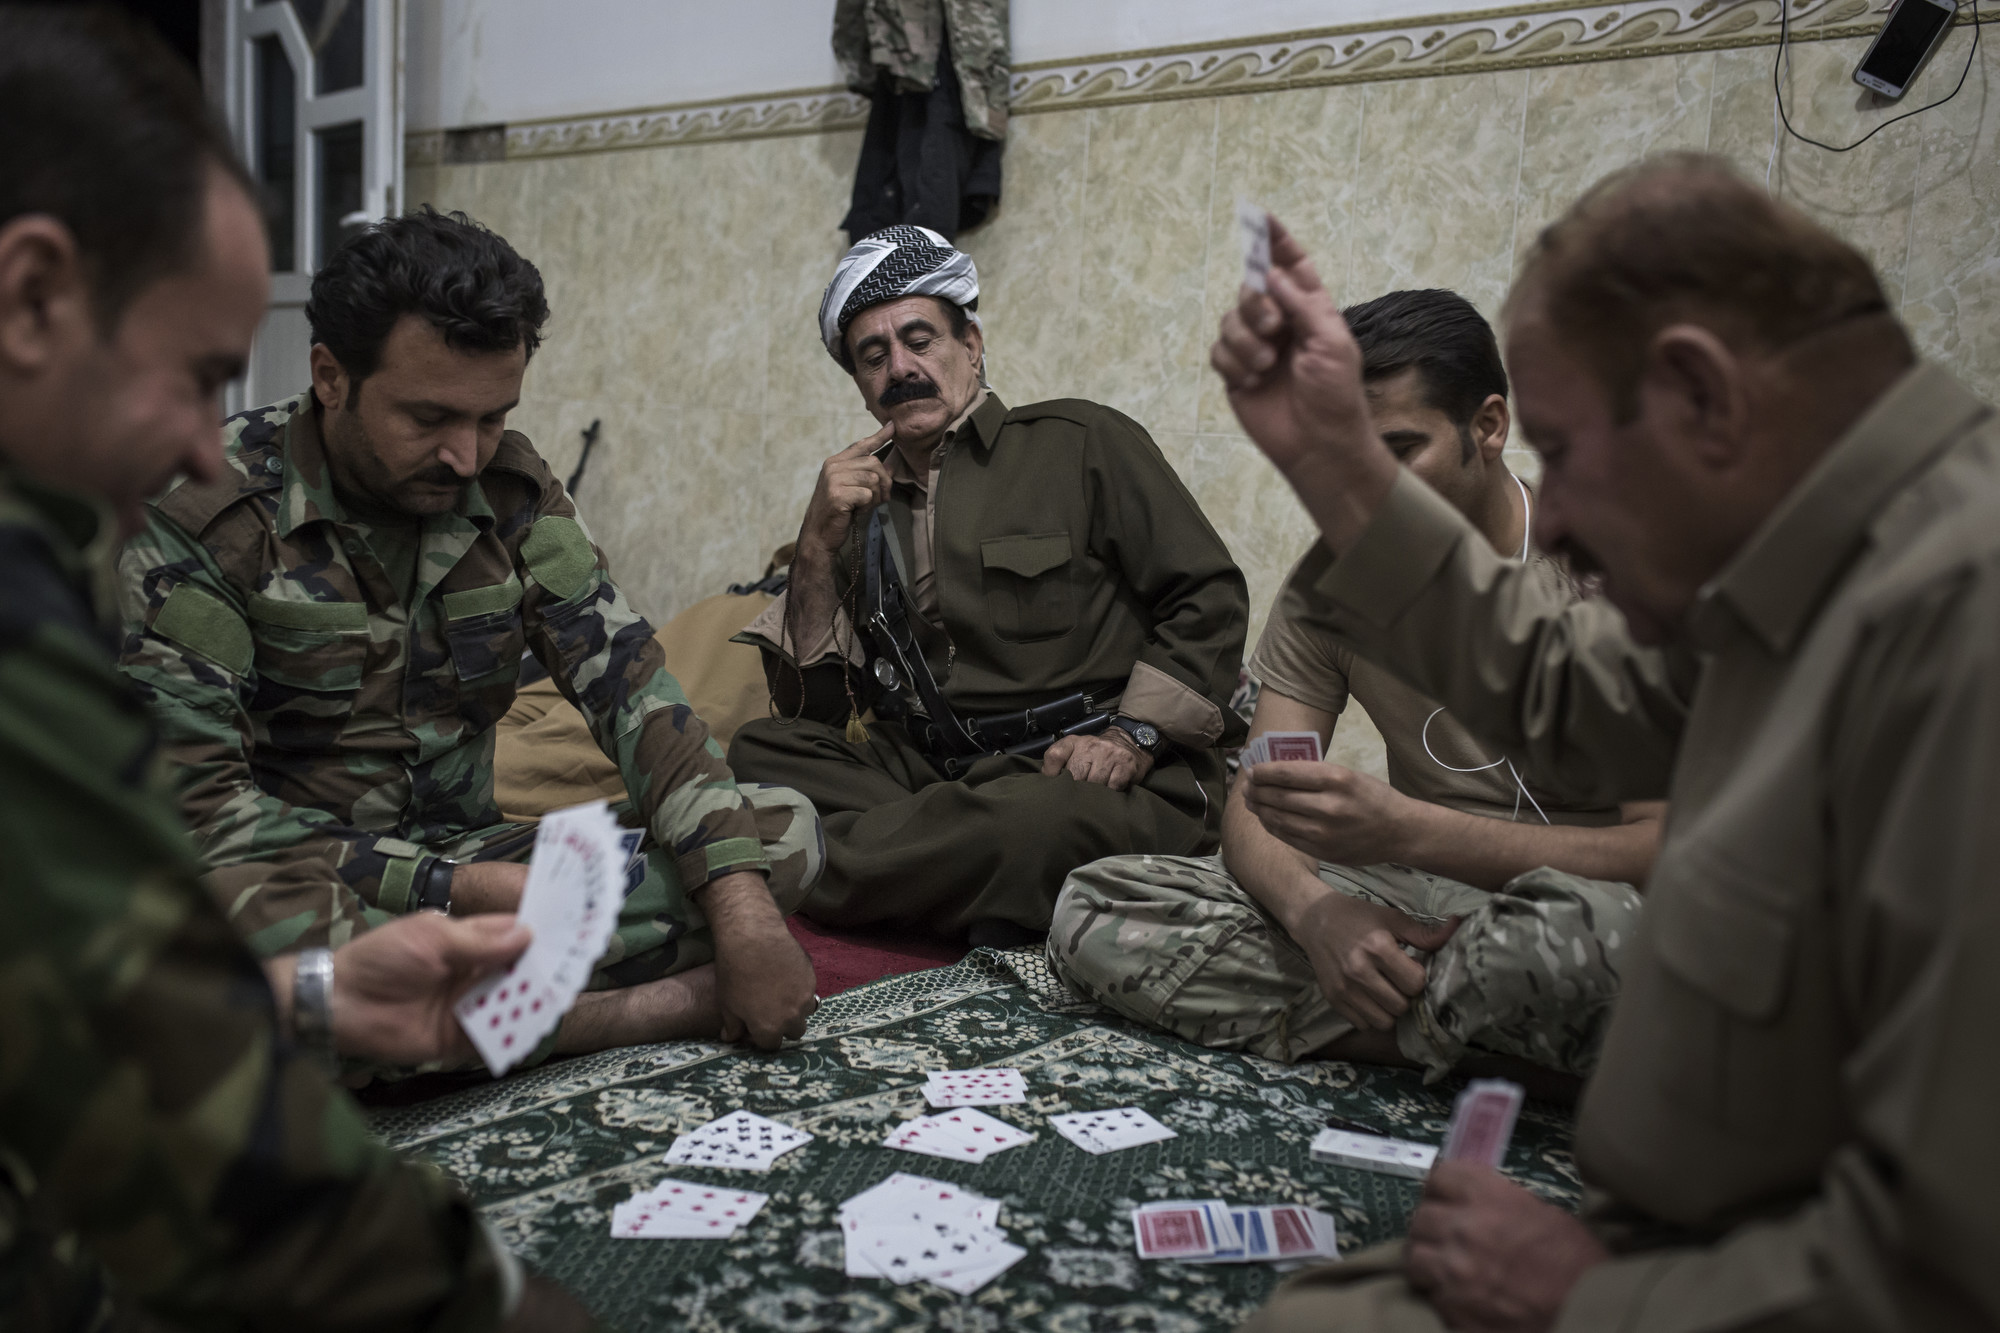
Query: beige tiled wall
point(684, 280)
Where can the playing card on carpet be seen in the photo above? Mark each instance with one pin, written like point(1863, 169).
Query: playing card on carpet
point(1371, 1152)
point(974, 1087)
point(964, 1134)
point(1255, 225)
point(1180, 1229)
point(1108, 1131)
point(1482, 1122)
point(909, 1228)
point(575, 886)
point(683, 1209)
point(738, 1141)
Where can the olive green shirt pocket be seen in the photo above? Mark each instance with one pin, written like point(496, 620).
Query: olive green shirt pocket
point(1733, 953)
point(1029, 591)
point(483, 631)
point(317, 646)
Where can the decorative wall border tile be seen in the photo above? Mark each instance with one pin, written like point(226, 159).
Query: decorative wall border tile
point(1517, 37)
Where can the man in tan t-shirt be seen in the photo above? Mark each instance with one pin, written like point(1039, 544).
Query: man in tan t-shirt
point(1470, 902)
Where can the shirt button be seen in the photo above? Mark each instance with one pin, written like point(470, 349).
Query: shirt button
point(353, 545)
point(274, 465)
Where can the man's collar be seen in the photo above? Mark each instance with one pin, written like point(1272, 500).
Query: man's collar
point(307, 494)
point(1778, 581)
point(983, 421)
point(305, 489)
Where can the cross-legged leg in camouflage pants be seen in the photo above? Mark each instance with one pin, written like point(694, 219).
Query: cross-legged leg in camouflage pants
point(1174, 942)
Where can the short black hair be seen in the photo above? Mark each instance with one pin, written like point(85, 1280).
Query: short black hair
point(466, 282)
point(108, 134)
point(960, 322)
point(1450, 344)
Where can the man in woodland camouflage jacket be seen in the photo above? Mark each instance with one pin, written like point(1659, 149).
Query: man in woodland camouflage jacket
point(331, 631)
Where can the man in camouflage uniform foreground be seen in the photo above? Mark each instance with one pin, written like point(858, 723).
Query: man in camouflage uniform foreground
point(168, 1154)
point(1469, 905)
point(330, 632)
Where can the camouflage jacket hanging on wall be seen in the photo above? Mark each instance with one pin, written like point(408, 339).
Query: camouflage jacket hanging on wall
point(902, 38)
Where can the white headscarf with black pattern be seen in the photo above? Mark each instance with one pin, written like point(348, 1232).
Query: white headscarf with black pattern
point(893, 263)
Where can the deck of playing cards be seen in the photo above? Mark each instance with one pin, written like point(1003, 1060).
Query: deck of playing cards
point(974, 1087)
point(680, 1209)
point(1281, 747)
point(909, 1228)
point(1255, 225)
point(1209, 1231)
point(1482, 1122)
point(738, 1141)
point(1371, 1152)
point(962, 1134)
point(1276, 1233)
point(1108, 1131)
point(576, 884)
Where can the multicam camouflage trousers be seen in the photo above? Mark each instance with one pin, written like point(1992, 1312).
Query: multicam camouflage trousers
point(1176, 943)
point(661, 930)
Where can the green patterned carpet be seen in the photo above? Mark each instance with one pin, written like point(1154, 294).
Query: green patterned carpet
point(547, 1153)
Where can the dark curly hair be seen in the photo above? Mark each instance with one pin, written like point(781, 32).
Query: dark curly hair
point(466, 281)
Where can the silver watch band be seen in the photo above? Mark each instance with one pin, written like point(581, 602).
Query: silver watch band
point(312, 1006)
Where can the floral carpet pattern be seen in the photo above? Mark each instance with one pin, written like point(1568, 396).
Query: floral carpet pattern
point(547, 1153)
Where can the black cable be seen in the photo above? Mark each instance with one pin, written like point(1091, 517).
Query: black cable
point(1784, 40)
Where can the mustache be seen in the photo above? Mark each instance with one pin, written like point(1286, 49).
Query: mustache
point(441, 475)
point(908, 391)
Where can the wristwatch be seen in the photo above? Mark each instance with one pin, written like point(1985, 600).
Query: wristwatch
point(1144, 734)
point(432, 883)
point(312, 1007)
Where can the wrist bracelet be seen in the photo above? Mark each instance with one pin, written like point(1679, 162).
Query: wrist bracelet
point(312, 1006)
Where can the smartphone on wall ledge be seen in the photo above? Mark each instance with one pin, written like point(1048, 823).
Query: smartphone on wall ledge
point(1913, 31)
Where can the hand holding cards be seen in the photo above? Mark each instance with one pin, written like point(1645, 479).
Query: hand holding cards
point(1282, 747)
point(576, 884)
point(1482, 1122)
point(1255, 225)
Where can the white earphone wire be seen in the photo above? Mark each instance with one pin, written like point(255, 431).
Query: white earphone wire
point(1424, 736)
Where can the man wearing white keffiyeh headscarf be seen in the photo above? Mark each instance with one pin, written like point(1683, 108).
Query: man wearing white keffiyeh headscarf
point(1073, 566)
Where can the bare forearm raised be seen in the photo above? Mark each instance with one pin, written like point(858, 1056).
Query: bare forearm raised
point(1486, 853)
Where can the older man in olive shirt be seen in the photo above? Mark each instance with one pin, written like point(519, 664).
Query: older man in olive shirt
point(1051, 558)
point(1792, 1122)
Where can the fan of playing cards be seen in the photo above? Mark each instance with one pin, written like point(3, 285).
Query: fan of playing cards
point(576, 884)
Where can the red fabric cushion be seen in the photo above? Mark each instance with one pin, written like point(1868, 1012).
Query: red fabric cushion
point(844, 959)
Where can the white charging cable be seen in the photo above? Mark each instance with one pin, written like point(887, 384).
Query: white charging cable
point(1520, 787)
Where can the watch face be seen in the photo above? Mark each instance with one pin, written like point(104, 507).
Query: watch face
point(1146, 734)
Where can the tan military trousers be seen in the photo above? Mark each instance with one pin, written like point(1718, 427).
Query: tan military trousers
point(1174, 942)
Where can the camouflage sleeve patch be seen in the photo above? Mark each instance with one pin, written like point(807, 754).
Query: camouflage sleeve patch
point(205, 624)
point(560, 556)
